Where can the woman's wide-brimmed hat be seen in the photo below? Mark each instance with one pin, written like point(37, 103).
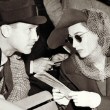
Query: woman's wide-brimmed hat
point(60, 33)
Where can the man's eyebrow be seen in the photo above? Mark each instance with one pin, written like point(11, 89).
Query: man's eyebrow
point(32, 26)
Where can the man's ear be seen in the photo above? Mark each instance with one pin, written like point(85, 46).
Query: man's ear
point(6, 30)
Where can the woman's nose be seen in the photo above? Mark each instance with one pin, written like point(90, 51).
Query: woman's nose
point(75, 43)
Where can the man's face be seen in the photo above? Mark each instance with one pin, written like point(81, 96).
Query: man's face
point(23, 36)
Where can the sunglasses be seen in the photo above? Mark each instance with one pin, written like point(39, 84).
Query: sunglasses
point(77, 37)
point(69, 39)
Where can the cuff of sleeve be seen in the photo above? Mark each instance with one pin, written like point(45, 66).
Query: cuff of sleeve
point(31, 67)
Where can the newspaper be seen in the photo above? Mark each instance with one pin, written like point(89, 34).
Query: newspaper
point(53, 82)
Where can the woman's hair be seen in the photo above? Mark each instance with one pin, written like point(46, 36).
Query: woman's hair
point(98, 22)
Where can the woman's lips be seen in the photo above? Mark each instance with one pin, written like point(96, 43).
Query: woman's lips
point(79, 50)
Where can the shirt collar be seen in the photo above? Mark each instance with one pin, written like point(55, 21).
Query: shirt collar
point(3, 58)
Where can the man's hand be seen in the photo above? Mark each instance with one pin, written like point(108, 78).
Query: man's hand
point(42, 64)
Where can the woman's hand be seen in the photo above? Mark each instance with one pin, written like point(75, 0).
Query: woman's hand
point(60, 97)
point(42, 64)
point(59, 58)
point(86, 99)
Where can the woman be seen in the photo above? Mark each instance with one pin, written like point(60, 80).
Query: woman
point(87, 71)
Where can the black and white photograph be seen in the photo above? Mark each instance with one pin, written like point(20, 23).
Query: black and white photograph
point(54, 54)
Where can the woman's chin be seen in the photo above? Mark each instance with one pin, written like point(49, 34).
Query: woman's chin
point(27, 51)
point(83, 55)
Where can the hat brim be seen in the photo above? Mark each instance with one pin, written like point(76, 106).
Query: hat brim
point(57, 38)
point(36, 20)
point(60, 33)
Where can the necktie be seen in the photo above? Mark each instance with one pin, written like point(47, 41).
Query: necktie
point(8, 82)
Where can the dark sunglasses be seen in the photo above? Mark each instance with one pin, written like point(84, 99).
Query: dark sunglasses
point(69, 39)
point(77, 37)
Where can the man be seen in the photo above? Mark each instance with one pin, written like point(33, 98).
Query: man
point(18, 23)
point(41, 54)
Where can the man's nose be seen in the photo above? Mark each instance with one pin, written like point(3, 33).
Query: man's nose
point(34, 35)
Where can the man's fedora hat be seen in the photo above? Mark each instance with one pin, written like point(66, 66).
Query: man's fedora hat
point(60, 33)
point(12, 11)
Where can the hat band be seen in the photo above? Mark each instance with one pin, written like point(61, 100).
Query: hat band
point(17, 15)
